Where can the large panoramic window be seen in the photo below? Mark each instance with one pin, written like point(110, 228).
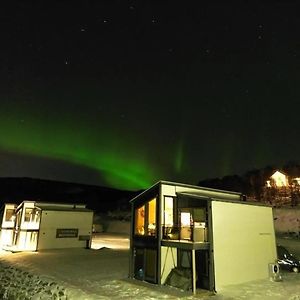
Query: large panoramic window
point(145, 219)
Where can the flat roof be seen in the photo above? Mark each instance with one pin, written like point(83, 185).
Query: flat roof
point(57, 208)
point(187, 186)
point(198, 187)
point(195, 193)
point(197, 196)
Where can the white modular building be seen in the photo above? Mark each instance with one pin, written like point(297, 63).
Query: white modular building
point(199, 238)
point(33, 226)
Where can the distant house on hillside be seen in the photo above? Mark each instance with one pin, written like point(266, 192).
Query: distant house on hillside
point(282, 190)
point(33, 226)
point(278, 179)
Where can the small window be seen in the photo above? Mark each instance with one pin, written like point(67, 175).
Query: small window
point(36, 215)
point(28, 213)
point(9, 215)
point(32, 215)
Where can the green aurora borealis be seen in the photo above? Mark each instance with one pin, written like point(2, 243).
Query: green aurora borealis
point(115, 159)
point(125, 94)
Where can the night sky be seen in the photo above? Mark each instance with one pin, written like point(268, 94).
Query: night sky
point(126, 93)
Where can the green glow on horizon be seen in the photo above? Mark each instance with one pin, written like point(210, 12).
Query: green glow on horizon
point(118, 161)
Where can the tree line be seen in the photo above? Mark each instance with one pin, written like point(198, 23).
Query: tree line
point(252, 183)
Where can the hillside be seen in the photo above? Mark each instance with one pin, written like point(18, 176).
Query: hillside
point(100, 199)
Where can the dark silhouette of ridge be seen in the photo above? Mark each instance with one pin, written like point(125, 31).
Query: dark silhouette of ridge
point(98, 198)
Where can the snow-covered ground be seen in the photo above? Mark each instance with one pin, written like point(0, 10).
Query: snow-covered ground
point(101, 273)
point(287, 219)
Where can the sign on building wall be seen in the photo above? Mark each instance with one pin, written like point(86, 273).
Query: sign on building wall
point(66, 232)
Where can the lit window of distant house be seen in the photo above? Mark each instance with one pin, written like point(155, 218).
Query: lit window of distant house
point(297, 181)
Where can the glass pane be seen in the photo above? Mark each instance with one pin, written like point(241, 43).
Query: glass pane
point(152, 217)
point(185, 219)
point(28, 213)
point(36, 217)
point(140, 220)
point(185, 259)
point(185, 230)
point(9, 216)
point(168, 212)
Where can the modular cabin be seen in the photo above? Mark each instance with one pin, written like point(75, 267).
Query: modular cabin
point(199, 238)
point(33, 226)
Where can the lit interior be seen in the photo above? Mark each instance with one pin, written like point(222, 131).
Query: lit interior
point(145, 219)
point(9, 215)
point(140, 220)
point(185, 219)
point(168, 212)
point(152, 217)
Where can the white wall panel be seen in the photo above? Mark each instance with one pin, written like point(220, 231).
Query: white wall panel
point(168, 261)
point(53, 220)
point(243, 241)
